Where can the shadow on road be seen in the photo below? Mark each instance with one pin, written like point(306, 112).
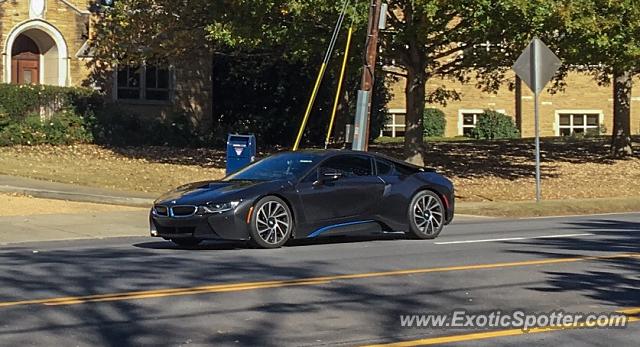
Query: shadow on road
point(25, 274)
point(613, 282)
point(261, 317)
point(231, 245)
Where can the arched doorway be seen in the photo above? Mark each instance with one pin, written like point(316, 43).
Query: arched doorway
point(25, 61)
point(37, 54)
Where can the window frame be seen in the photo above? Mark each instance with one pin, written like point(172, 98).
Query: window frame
point(384, 161)
point(392, 124)
point(372, 172)
point(142, 88)
point(585, 113)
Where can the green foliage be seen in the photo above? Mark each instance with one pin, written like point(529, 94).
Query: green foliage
point(265, 54)
point(64, 128)
point(20, 101)
point(434, 122)
point(4, 117)
point(428, 39)
point(601, 31)
point(34, 115)
point(114, 125)
point(494, 125)
point(268, 99)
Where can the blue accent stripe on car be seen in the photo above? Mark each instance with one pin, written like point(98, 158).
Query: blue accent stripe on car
point(327, 228)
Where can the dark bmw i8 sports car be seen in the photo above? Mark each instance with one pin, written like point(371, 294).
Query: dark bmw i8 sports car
point(307, 194)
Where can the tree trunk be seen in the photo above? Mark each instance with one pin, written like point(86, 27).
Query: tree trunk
point(414, 123)
point(621, 141)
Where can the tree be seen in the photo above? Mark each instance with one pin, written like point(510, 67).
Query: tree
point(599, 37)
point(602, 37)
point(265, 55)
point(437, 38)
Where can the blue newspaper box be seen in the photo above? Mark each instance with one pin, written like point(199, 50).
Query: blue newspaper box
point(241, 151)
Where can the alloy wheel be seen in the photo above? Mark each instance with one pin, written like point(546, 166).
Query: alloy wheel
point(428, 214)
point(273, 222)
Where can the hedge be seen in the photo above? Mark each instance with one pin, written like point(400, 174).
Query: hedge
point(37, 114)
point(19, 102)
point(494, 125)
point(434, 122)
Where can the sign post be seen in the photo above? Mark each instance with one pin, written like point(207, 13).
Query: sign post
point(536, 67)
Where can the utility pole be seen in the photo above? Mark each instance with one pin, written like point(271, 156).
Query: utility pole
point(363, 111)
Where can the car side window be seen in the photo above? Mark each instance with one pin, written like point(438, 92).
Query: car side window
point(385, 168)
point(349, 165)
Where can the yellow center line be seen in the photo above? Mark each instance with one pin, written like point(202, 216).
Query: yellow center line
point(491, 334)
point(236, 287)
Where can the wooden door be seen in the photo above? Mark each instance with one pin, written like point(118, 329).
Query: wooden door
point(25, 61)
point(26, 69)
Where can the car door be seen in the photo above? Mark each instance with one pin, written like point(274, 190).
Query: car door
point(350, 196)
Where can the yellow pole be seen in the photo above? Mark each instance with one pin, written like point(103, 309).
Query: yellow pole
point(310, 106)
point(340, 81)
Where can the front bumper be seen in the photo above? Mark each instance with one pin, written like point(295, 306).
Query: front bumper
point(231, 225)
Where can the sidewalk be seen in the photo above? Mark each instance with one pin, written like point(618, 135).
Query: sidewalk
point(73, 226)
point(71, 192)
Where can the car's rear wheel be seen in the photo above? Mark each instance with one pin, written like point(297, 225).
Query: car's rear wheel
point(187, 242)
point(426, 215)
point(271, 223)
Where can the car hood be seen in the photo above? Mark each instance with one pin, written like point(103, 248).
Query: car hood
point(210, 191)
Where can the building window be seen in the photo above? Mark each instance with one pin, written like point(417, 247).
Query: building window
point(157, 84)
point(578, 122)
point(144, 83)
point(396, 124)
point(468, 119)
point(129, 83)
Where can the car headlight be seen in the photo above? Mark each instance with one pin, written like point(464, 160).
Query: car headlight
point(217, 208)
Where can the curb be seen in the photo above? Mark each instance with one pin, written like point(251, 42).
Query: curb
point(79, 197)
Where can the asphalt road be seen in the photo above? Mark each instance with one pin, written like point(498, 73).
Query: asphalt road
point(341, 291)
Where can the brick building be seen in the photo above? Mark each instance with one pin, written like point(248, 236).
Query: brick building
point(46, 42)
point(583, 106)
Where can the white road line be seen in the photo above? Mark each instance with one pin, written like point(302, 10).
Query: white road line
point(511, 239)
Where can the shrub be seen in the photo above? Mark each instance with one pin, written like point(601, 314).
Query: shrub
point(64, 128)
point(434, 122)
point(38, 114)
point(494, 125)
point(114, 125)
point(4, 117)
point(20, 101)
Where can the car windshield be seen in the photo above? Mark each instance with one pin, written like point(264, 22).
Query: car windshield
point(277, 167)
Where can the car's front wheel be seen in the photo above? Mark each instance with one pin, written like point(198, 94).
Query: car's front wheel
point(426, 215)
point(271, 223)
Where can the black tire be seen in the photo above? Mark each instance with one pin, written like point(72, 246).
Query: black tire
point(187, 242)
point(272, 223)
point(426, 215)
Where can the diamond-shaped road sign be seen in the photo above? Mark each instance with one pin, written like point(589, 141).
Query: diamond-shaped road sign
point(537, 65)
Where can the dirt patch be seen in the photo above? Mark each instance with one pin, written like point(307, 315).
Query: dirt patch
point(505, 170)
point(147, 169)
point(17, 205)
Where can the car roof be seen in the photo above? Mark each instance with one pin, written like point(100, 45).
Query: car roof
point(325, 153)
